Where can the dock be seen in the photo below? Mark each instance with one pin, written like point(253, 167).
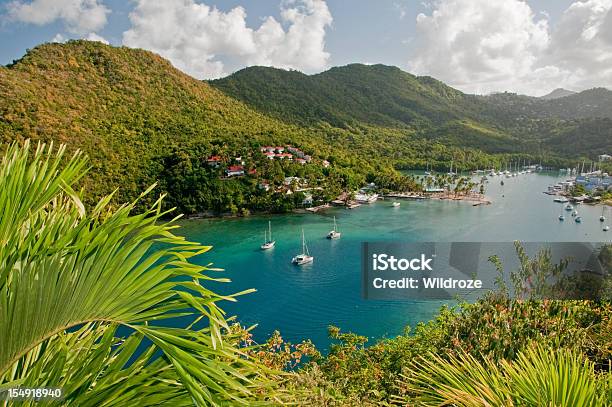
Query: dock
point(416, 197)
point(316, 209)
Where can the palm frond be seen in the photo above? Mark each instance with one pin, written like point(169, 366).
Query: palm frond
point(65, 273)
point(538, 377)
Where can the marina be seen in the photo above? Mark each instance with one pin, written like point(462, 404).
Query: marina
point(302, 301)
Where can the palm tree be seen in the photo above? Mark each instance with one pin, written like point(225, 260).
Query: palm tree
point(72, 279)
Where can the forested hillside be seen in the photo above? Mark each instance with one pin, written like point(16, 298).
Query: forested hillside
point(384, 96)
point(142, 121)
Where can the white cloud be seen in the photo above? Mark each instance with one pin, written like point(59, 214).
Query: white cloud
point(401, 8)
point(476, 44)
point(482, 46)
point(96, 37)
point(59, 38)
point(78, 16)
point(195, 36)
point(581, 44)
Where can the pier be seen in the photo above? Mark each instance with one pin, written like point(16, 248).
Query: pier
point(412, 196)
point(316, 209)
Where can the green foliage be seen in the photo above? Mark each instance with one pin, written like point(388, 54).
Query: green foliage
point(386, 99)
point(539, 376)
point(141, 121)
point(477, 353)
point(69, 277)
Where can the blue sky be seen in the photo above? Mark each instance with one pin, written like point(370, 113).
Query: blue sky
point(478, 46)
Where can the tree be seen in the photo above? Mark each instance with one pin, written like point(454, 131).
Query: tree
point(69, 277)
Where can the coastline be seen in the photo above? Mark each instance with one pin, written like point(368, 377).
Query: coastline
point(476, 199)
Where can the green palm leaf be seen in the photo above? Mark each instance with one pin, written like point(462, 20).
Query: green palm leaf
point(68, 278)
point(538, 377)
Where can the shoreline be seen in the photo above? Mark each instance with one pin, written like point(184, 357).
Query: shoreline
point(476, 200)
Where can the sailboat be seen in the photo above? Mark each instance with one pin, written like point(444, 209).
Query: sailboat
point(602, 218)
point(334, 234)
point(268, 242)
point(304, 257)
point(451, 173)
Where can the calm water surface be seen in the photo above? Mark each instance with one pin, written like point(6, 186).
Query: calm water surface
point(302, 302)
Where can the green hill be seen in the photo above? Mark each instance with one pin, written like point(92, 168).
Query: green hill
point(384, 96)
point(376, 95)
point(142, 121)
point(558, 93)
point(368, 95)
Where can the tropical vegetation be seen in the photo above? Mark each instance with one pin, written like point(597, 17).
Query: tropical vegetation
point(85, 293)
point(99, 296)
point(141, 121)
point(106, 304)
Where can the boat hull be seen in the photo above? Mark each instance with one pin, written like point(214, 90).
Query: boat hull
point(268, 245)
point(334, 235)
point(301, 260)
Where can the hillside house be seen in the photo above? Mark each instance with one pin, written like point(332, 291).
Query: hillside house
point(234, 171)
point(213, 161)
point(285, 156)
point(605, 157)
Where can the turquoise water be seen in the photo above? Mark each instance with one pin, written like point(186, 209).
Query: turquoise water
point(302, 302)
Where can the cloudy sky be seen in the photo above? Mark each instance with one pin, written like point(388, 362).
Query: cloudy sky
point(478, 46)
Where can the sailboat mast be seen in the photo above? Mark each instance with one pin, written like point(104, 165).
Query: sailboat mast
point(270, 229)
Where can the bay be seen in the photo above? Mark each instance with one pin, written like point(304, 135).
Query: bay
point(301, 302)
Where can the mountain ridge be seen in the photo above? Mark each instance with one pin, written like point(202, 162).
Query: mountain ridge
point(141, 121)
point(558, 93)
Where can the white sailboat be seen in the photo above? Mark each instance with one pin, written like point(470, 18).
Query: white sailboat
point(304, 257)
point(602, 218)
point(451, 173)
point(334, 234)
point(268, 242)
